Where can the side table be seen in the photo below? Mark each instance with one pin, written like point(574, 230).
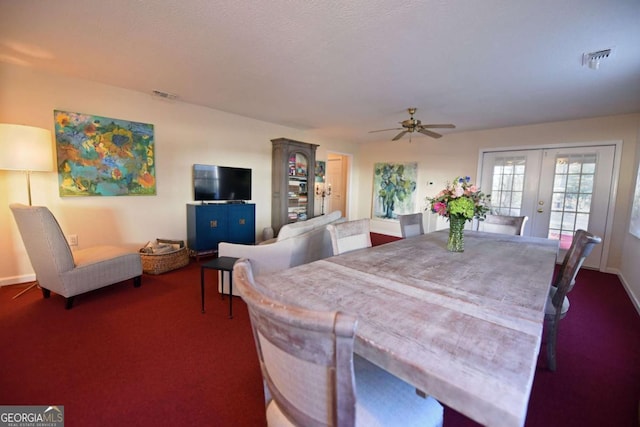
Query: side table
point(223, 263)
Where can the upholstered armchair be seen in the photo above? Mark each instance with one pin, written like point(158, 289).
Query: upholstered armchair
point(68, 273)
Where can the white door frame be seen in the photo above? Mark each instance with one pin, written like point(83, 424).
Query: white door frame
point(347, 182)
point(614, 180)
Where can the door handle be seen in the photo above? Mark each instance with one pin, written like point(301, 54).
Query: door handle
point(540, 210)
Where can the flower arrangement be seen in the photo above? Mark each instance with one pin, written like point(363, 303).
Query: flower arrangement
point(460, 199)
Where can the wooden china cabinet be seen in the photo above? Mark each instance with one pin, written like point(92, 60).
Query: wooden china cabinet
point(292, 181)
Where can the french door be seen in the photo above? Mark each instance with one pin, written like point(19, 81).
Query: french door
point(560, 189)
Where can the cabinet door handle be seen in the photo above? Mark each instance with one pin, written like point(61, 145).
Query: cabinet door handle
point(213, 223)
point(241, 221)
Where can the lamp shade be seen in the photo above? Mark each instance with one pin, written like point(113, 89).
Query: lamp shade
point(25, 148)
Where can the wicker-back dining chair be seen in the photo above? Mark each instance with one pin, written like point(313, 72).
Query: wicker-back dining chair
point(411, 224)
point(310, 374)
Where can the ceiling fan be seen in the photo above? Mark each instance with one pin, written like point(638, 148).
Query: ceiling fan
point(414, 125)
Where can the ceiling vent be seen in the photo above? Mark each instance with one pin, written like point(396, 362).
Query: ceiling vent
point(592, 59)
point(165, 95)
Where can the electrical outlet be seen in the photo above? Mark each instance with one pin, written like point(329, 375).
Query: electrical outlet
point(73, 240)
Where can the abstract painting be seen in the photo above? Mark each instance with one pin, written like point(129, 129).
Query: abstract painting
point(100, 156)
point(394, 189)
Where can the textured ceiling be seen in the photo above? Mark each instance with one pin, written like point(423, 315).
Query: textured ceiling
point(343, 68)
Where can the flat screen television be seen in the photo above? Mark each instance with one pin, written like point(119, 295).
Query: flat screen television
point(221, 183)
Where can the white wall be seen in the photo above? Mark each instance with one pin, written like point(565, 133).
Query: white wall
point(630, 265)
point(457, 154)
point(187, 134)
point(184, 134)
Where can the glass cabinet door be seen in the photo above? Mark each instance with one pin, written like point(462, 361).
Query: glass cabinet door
point(298, 187)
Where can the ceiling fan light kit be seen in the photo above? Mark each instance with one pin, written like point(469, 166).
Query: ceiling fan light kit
point(592, 59)
point(414, 125)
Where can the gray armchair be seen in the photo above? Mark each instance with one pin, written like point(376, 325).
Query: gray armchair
point(68, 273)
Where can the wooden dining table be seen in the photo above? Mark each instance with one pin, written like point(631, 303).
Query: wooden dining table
point(462, 327)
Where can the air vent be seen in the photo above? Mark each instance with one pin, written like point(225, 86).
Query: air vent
point(165, 95)
point(592, 59)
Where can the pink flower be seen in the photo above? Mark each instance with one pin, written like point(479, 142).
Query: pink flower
point(473, 189)
point(458, 191)
point(440, 208)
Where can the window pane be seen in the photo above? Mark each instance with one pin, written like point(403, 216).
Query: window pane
point(516, 200)
point(584, 203)
point(559, 182)
point(555, 220)
point(561, 164)
point(575, 166)
point(582, 221)
point(568, 221)
point(586, 184)
point(571, 202)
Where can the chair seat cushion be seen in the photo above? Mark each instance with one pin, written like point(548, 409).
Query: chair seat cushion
point(549, 309)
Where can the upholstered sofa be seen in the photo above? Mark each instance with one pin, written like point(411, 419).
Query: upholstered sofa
point(297, 243)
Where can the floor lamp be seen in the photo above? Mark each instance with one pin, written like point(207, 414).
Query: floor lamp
point(26, 149)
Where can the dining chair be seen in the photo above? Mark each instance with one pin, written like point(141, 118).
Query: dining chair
point(68, 273)
point(350, 235)
point(557, 302)
point(411, 224)
point(503, 224)
point(311, 376)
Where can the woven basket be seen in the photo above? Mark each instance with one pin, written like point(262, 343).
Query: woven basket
point(161, 263)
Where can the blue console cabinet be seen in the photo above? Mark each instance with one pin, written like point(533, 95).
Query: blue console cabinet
point(210, 224)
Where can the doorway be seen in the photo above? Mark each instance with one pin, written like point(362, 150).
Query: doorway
point(338, 176)
point(560, 190)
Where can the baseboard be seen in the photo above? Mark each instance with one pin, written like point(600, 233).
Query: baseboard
point(16, 280)
point(627, 288)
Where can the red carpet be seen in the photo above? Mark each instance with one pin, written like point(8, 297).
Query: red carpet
point(148, 357)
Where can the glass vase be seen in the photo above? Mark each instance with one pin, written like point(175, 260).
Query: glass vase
point(456, 234)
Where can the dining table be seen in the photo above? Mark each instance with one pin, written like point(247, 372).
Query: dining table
point(463, 327)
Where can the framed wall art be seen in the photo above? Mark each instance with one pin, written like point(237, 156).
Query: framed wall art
point(100, 156)
point(394, 189)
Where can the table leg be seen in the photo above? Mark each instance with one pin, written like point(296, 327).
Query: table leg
point(230, 295)
point(202, 286)
point(221, 276)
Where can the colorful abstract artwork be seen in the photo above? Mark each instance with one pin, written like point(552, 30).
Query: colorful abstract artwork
point(100, 156)
point(394, 189)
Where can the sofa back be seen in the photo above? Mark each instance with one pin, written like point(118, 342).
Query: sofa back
point(297, 228)
point(300, 249)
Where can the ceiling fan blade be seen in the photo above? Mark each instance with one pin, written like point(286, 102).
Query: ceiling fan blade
point(443, 126)
point(429, 133)
point(383, 130)
point(400, 135)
